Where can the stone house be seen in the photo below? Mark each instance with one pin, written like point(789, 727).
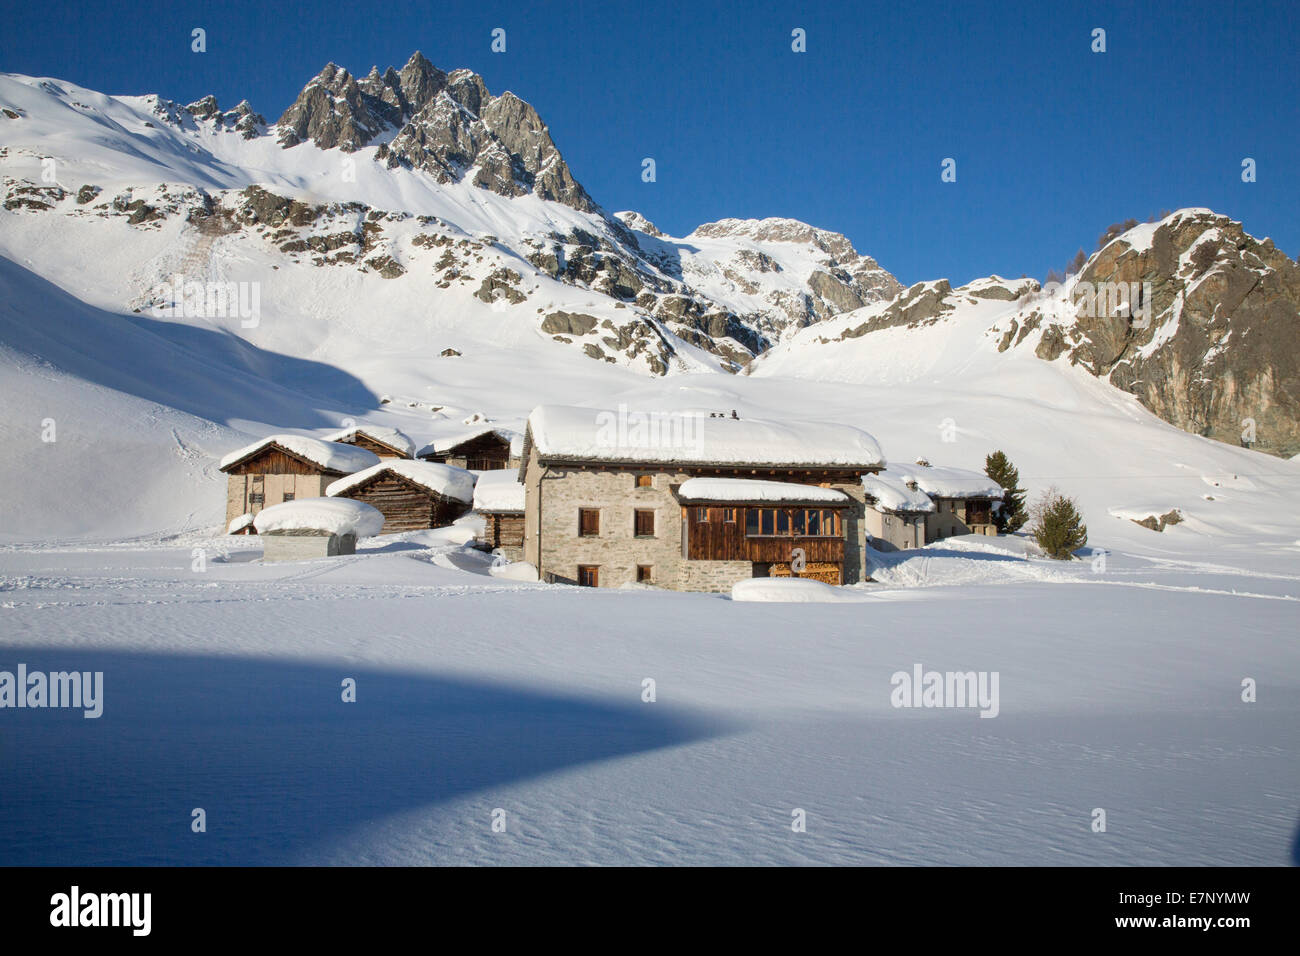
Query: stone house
point(499, 500)
point(481, 449)
point(618, 497)
point(282, 468)
point(897, 510)
point(914, 505)
point(384, 442)
point(411, 495)
point(964, 501)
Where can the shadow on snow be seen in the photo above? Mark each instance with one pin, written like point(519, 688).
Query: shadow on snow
point(275, 757)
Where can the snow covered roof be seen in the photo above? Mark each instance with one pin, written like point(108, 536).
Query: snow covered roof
point(326, 455)
point(749, 490)
point(592, 434)
point(499, 491)
point(445, 480)
point(892, 493)
point(328, 515)
point(440, 446)
point(944, 482)
point(391, 437)
point(239, 523)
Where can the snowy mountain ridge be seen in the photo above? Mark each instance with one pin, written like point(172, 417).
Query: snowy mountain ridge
point(390, 297)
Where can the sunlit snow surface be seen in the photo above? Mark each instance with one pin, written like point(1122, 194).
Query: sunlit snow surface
point(1119, 689)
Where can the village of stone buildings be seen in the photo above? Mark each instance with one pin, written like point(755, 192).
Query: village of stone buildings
point(597, 498)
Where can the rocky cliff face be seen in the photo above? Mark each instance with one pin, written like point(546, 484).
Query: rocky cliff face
point(447, 124)
point(1196, 318)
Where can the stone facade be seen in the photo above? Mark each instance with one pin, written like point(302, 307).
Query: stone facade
point(889, 531)
point(555, 494)
point(951, 518)
point(240, 490)
point(712, 575)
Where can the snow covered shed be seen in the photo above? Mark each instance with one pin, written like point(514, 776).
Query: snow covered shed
point(480, 449)
point(411, 495)
point(692, 500)
point(384, 442)
point(896, 512)
point(286, 467)
point(299, 530)
point(963, 500)
point(499, 499)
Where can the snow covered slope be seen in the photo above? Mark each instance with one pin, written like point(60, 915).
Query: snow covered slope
point(385, 295)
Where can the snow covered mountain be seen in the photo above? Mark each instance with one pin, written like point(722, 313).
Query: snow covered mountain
point(426, 180)
point(1196, 318)
point(408, 250)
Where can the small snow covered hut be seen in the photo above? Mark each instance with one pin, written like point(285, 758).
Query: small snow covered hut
point(384, 442)
point(412, 495)
point(480, 449)
point(299, 530)
point(499, 498)
point(282, 468)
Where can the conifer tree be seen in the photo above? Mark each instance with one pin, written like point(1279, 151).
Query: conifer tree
point(1058, 527)
point(1011, 516)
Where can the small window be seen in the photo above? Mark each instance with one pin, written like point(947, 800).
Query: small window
point(255, 498)
point(768, 525)
point(589, 575)
point(751, 522)
point(797, 524)
point(588, 522)
point(701, 515)
point(815, 523)
point(729, 515)
point(783, 522)
point(645, 573)
point(645, 523)
point(288, 496)
point(644, 481)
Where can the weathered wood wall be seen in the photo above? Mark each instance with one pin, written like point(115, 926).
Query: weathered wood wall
point(406, 506)
point(503, 530)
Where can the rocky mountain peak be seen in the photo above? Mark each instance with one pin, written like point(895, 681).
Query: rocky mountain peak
point(447, 124)
point(634, 220)
point(1192, 315)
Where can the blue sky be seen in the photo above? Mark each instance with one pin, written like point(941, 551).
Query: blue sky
point(1052, 141)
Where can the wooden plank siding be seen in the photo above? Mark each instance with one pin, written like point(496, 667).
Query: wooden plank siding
point(273, 461)
point(503, 530)
point(720, 540)
point(488, 452)
point(378, 447)
point(405, 505)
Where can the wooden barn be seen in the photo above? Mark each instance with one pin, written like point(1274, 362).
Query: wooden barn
point(483, 449)
point(499, 499)
point(384, 442)
point(283, 468)
point(411, 495)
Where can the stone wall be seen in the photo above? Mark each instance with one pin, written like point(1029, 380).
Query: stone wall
point(304, 547)
point(710, 575)
point(893, 532)
point(274, 487)
point(616, 550)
